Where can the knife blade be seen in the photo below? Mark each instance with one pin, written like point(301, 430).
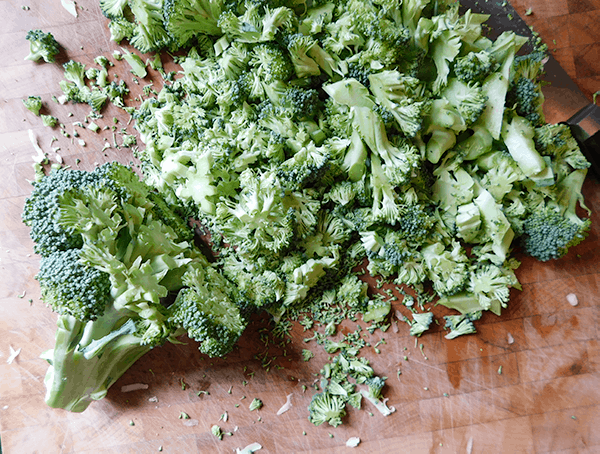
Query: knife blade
point(562, 95)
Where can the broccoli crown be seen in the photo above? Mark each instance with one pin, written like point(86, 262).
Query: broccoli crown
point(549, 235)
point(70, 287)
point(42, 209)
point(42, 45)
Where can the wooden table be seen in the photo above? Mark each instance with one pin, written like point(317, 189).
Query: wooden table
point(449, 398)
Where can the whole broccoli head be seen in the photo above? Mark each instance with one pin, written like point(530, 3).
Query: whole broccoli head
point(42, 46)
point(112, 249)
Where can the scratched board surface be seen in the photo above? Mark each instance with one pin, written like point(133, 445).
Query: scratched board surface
point(527, 382)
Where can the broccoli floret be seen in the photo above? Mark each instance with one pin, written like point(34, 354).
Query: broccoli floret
point(209, 310)
point(185, 19)
point(42, 45)
point(102, 61)
point(461, 324)
point(114, 9)
point(525, 91)
point(271, 63)
point(549, 232)
point(75, 72)
point(447, 268)
point(33, 104)
point(255, 24)
point(49, 120)
point(303, 103)
point(326, 407)
point(120, 29)
point(420, 323)
point(557, 142)
point(96, 99)
point(475, 66)
point(376, 310)
point(149, 32)
point(298, 46)
point(468, 98)
point(400, 95)
point(373, 394)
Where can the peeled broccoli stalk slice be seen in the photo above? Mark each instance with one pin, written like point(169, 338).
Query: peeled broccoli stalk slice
point(495, 86)
point(138, 67)
point(496, 227)
point(377, 310)
point(467, 302)
point(380, 405)
point(356, 157)
point(518, 136)
point(73, 381)
point(476, 145)
point(420, 323)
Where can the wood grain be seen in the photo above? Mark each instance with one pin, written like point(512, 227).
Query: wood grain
point(450, 396)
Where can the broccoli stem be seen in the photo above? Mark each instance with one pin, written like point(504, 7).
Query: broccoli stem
point(72, 381)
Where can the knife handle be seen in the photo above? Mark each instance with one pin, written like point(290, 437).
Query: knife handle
point(589, 145)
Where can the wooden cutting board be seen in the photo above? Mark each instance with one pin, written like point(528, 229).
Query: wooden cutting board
point(480, 393)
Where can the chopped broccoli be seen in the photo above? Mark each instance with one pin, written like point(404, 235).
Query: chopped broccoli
point(326, 407)
point(550, 231)
point(185, 19)
point(420, 323)
point(461, 324)
point(42, 45)
point(49, 120)
point(33, 104)
point(525, 91)
point(474, 67)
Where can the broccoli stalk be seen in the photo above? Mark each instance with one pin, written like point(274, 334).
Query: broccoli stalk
point(80, 374)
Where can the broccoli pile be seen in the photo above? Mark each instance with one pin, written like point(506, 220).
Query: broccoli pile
point(113, 250)
point(310, 139)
